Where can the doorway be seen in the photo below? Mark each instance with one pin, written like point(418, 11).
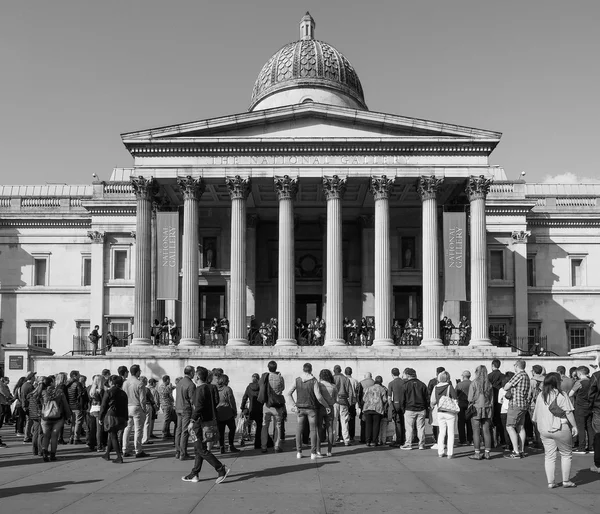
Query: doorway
point(407, 303)
point(309, 306)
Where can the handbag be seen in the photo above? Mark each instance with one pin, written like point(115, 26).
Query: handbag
point(94, 409)
point(470, 412)
point(447, 404)
point(554, 408)
point(210, 430)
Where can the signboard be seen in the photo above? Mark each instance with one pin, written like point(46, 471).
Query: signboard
point(15, 362)
point(455, 261)
point(167, 240)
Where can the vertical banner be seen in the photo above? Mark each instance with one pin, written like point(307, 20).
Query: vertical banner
point(167, 251)
point(455, 245)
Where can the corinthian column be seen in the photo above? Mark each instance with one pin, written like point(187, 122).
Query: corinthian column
point(334, 189)
point(239, 189)
point(192, 189)
point(381, 188)
point(477, 189)
point(428, 188)
point(145, 189)
point(286, 188)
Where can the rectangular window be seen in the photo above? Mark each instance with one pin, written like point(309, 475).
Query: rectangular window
point(578, 337)
point(576, 272)
point(39, 337)
point(120, 265)
point(87, 271)
point(39, 272)
point(120, 330)
point(531, 271)
point(497, 265)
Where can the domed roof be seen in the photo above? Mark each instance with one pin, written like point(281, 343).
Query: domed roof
point(307, 63)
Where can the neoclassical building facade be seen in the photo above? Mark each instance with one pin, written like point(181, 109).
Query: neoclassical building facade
point(306, 205)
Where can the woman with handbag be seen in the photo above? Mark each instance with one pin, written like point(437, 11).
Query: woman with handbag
point(113, 416)
point(481, 396)
point(97, 435)
point(374, 405)
point(553, 413)
point(55, 410)
point(444, 401)
point(226, 411)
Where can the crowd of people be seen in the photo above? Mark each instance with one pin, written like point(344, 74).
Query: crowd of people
point(115, 413)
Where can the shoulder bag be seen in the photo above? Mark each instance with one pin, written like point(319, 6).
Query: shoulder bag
point(447, 404)
point(555, 409)
point(210, 430)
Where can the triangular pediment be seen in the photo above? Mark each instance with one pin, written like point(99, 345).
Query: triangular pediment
point(311, 121)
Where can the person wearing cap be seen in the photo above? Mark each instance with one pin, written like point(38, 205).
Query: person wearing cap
point(254, 407)
point(26, 389)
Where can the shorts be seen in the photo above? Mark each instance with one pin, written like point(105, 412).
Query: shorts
point(515, 418)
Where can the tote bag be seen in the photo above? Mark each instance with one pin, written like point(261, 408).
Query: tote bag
point(447, 404)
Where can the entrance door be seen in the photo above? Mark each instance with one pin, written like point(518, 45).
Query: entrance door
point(212, 305)
point(308, 307)
point(407, 302)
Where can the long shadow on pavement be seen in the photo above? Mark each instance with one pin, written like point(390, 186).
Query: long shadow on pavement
point(585, 476)
point(41, 488)
point(272, 472)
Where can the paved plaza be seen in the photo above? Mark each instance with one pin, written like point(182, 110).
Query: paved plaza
point(356, 479)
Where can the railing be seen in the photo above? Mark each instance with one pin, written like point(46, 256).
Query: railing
point(5, 201)
point(575, 202)
point(118, 188)
point(502, 188)
point(40, 202)
point(83, 346)
point(533, 346)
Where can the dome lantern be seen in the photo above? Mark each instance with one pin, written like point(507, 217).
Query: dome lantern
point(307, 70)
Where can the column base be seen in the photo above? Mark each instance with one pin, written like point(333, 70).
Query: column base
point(237, 342)
point(432, 342)
point(480, 342)
point(190, 342)
point(141, 341)
point(334, 342)
point(286, 342)
point(383, 342)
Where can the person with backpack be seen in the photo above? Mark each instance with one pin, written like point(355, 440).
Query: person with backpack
point(253, 409)
point(270, 395)
point(55, 410)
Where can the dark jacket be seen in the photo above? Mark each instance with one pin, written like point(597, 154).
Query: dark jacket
point(185, 395)
point(395, 394)
point(205, 400)
point(117, 399)
point(75, 395)
point(415, 396)
point(250, 397)
point(56, 394)
point(344, 389)
point(33, 405)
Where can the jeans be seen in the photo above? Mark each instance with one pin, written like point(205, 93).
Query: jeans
point(410, 416)
point(36, 436)
point(303, 416)
point(352, 422)
point(499, 424)
point(484, 424)
point(558, 442)
point(20, 418)
point(148, 425)
point(398, 419)
point(342, 415)
point(328, 422)
point(112, 442)
point(181, 432)
point(446, 422)
point(170, 417)
point(28, 427)
point(465, 428)
point(508, 443)
point(583, 420)
point(76, 424)
point(202, 454)
point(372, 422)
point(597, 449)
point(229, 423)
point(258, 419)
point(268, 414)
point(51, 429)
point(136, 420)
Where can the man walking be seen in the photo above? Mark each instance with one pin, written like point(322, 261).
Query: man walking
point(414, 404)
point(395, 394)
point(341, 408)
point(465, 429)
point(205, 402)
point(184, 395)
point(519, 387)
point(271, 393)
point(136, 408)
point(308, 401)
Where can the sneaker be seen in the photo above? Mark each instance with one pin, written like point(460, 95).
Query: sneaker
point(127, 454)
point(222, 474)
point(118, 460)
point(569, 484)
point(580, 452)
point(328, 454)
point(263, 450)
point(278, 450)
point(299, 455)
point(190, 478)
point(315, 456)
point(552, 486)
point(595, 469)
point(406, 447)
point(434, 447)
point(141, 455)
point(421, 447)
point(25, 441)
point(2, 445)
point(450, 456)
point(233, 449)
point(512, 455)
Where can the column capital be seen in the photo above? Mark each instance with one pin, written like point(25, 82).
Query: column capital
point(286, 187)
point(381, 187)
point(478, 187)
point(366, 221)
point(429, 186)
point(239, 188)
point(520, 236)
point(252, 220)
point(96, 236)
point(144, 188)
point(334, 187)
point(192, 188)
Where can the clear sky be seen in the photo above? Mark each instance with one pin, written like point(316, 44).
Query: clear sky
point(76, 74)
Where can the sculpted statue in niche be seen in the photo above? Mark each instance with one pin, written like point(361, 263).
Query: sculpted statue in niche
point(210, 252)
